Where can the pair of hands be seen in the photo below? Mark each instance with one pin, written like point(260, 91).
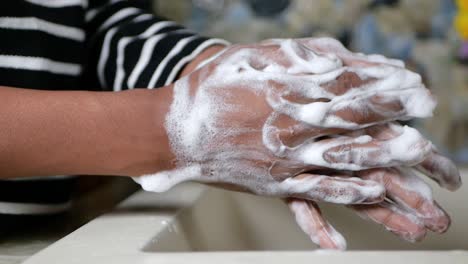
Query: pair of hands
point(307, 120)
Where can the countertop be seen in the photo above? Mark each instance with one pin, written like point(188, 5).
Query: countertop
point(24, 236)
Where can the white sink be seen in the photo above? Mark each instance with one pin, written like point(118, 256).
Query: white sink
point(195, 224)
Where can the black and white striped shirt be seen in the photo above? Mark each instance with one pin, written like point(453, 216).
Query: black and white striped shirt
point(84, 44)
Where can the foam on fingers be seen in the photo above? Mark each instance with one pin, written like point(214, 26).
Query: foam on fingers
point(393, 219)
point(311, 221)
point(437, 167)
point(363, 152)
point(340, 190)
point(399, 84)
point(442, 170)
point(411, 194)
point(222, 123)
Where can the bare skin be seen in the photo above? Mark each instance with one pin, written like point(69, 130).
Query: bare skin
point(404, 218)
point(88, 133)
point(104, 133)
point(408, 211)
point(59, 133)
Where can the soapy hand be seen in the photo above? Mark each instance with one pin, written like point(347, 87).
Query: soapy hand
point(409, 209)
point(255, 116)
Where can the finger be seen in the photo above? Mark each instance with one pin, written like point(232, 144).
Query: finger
point(325, 45)
point(297, 58)
point(280, 133)
point(333, 189)
point(330, 45)
point(377, 58)
point(383, 94)
point(441, 170)
point(310, 220)
point(361, 152)
point(435, 166)
point(412, 194)
point(366, 60)
point(393, 219)
point(379, 107)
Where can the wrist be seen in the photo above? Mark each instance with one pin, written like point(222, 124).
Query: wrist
point(161, 100)
point(152, 152)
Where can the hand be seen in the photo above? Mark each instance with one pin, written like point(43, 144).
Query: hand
point(256, 116)
point(409, 210)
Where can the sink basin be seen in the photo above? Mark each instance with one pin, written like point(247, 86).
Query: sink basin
point(230, 221)
point(206, 225)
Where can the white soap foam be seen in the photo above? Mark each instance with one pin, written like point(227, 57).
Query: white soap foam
point(211, 147)
point(163, 181)
point(323, 63)
point(408, 148)
point(411, 182)
point(351, 191)
point(411, 237)
point(309, 222)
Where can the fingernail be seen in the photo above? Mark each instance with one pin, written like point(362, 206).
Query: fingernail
point(453, 183)
point(439, 225)
point(436, 219)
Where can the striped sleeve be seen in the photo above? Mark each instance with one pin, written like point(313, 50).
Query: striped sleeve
point(42, 44)
point(131, 48)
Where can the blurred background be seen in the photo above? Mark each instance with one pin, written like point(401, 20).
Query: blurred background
point(430, 36)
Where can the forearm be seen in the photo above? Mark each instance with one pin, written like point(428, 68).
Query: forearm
point(74, 132)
